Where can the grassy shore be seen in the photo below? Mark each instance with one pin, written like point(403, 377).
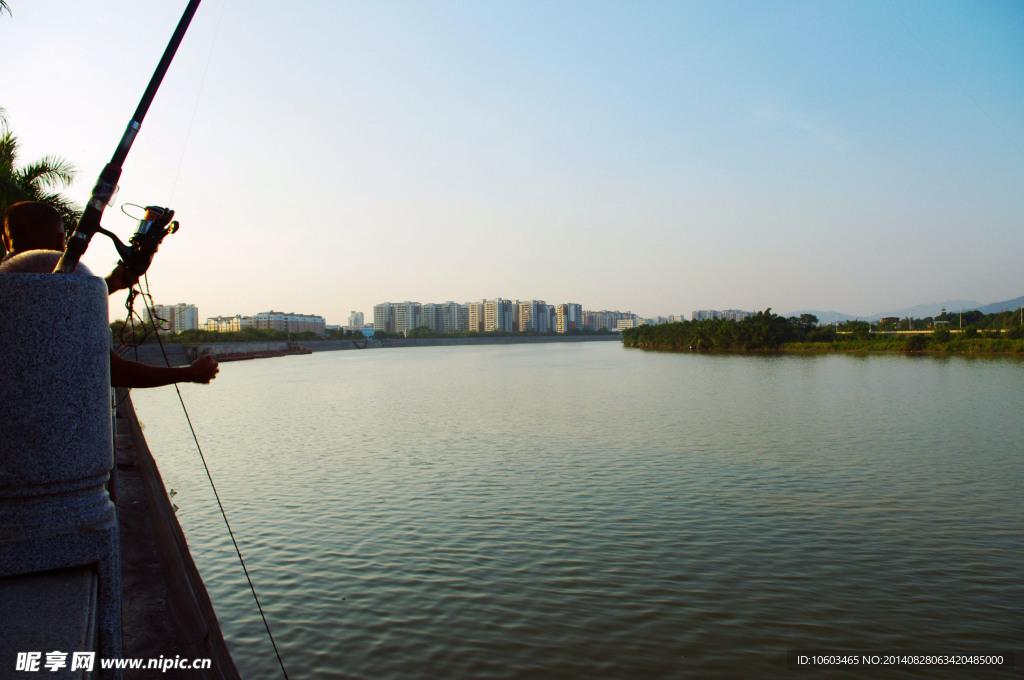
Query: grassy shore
point(769, 332)
point(954, 344)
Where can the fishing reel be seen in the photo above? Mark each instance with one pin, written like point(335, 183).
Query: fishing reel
point(153, 227)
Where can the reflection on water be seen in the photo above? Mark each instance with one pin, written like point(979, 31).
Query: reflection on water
point(582, 510)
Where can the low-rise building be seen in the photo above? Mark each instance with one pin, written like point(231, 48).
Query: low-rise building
point(227, 324)
point(290, 322)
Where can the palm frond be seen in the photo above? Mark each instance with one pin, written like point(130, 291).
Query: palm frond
point(38, 181)
point(49, 171)
point(8, 148)
point(69, 211)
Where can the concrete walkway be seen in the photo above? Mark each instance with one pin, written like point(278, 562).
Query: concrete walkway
point(166, 610)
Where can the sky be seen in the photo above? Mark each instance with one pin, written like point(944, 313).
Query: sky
point(655, 157)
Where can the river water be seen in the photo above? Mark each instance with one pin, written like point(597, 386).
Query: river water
point(588, 511)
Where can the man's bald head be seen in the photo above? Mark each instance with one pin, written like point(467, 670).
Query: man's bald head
point(31, 225)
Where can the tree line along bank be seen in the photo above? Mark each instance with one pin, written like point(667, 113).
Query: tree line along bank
point(766, 331)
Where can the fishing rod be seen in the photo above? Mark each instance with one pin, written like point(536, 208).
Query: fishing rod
point(153, 227)
point(147, 238)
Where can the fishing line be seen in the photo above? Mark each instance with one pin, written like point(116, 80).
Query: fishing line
point(124, 347)
point(69, 259)
point(195, 107)
point(209, 476)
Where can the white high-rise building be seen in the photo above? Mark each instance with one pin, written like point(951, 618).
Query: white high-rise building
point(408, 315)
point(605, 320)
point(446, 317)
point(432, 316)
point(174, 318)
point(384, 318)
point(455, 317)
point(499, 315)
point(736, 314)
point(475, 316)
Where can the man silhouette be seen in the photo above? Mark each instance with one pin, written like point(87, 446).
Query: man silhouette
point(34, 236)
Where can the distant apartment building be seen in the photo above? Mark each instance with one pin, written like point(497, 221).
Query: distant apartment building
point(173, 318)
point(533, 316)
point(227, 324)
point(456, 317)
point(594, 320)
point(292, 323)
point(475, 316)
point(706, 314)
point(568, 317)
point(499, 315)
point(384, 318)
point(408, 315)
point(401, 317)
point(729, 314)
point(736, 314)
point(431, 316)
point(446, 317)
point(355, 319)
point(604, 320)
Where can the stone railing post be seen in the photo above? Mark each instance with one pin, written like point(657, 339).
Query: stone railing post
point(55, 438)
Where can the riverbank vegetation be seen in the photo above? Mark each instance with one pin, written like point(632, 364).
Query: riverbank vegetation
point(766, 331)
point(140, 333)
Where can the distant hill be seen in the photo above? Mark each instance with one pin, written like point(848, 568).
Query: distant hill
point(824, 317)
point(917, 311)
point(1004, 306)
point(930, 309)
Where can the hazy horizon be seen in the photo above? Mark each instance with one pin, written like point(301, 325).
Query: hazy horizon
point(849, 156)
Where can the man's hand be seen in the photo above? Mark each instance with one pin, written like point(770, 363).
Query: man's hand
point(204, 369)
point(120, 278)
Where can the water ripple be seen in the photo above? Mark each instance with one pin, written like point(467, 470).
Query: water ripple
point(592, 512)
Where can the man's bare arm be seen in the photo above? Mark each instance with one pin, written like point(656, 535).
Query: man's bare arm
point(124, 373)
